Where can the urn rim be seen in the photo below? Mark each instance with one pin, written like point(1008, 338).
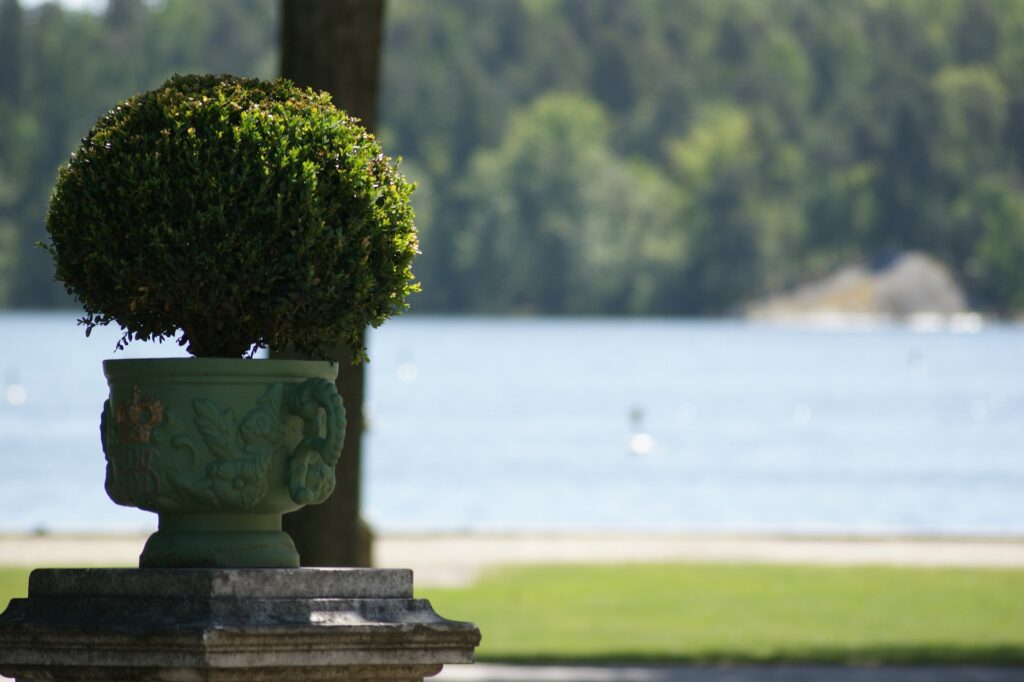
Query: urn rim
point(200, 368)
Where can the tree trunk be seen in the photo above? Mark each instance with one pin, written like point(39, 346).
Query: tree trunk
point(335, 46)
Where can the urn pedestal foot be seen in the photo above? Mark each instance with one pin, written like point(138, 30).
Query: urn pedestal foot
point(219, 541)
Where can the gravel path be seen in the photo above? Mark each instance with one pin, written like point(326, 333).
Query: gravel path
point(481, 672)
point(458, 559)
point(782, 673)
point(453, 560)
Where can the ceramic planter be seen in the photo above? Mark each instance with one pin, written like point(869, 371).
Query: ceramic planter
point(220, 449)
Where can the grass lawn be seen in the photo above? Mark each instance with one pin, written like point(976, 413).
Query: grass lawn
point(743, 613)
point(736, 613)
point(13, 583)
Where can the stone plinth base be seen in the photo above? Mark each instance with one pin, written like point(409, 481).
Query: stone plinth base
point(185, 625)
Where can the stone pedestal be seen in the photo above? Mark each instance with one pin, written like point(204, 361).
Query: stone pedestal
point(185, 625)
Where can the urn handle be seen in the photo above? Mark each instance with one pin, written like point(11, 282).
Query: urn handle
point(311, 468)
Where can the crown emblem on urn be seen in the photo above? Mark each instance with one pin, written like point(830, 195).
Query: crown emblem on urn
point(138, 417)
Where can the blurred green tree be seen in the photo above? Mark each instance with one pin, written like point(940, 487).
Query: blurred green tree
point(555, 221)
point(994, 210)
point(868, 126)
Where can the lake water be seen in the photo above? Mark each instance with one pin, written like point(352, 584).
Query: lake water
point(524, 424)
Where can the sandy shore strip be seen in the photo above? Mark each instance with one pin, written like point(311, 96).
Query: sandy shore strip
point(452, 560)
point(449, 559)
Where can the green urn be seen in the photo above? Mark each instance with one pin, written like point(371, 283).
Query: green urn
point(220, 448)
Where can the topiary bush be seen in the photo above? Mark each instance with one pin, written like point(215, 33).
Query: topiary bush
point(239, 213)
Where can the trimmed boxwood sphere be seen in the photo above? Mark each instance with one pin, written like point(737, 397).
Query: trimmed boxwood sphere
point(237, 213)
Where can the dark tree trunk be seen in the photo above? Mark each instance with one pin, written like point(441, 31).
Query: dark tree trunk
point(335, 45)
point(12, 26)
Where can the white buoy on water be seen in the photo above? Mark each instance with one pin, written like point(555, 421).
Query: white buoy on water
point(640, 442)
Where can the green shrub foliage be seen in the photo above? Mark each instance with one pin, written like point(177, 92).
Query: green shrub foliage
point(239, 213)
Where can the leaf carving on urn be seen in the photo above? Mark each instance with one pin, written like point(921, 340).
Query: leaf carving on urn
point(217, 427)
point(237, 478)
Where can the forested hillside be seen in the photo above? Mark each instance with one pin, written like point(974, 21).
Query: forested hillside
point(606, 156)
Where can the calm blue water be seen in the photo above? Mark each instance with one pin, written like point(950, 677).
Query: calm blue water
point(513, 424)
